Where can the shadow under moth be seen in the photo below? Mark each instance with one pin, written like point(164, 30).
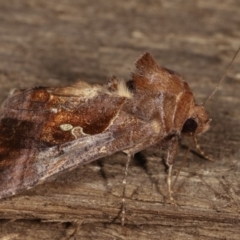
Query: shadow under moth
point(47, 131)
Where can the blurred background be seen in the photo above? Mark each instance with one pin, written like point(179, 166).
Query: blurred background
point(59, 42)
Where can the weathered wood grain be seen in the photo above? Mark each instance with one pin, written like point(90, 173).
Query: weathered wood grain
point(58, 42)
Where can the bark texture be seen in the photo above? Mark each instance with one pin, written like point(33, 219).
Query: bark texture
point(54, 43)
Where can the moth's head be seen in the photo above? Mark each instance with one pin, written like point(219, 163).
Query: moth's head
point(198, 122)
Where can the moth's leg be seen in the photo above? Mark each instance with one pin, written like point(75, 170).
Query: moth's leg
point(198, 147)
point(129, 157)
point(171, 154)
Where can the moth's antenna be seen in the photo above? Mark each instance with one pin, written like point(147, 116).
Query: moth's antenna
point(223, 77)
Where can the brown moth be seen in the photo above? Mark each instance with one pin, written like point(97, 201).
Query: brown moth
point(47, 131)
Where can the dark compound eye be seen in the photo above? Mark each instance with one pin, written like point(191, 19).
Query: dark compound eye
point(189, 126)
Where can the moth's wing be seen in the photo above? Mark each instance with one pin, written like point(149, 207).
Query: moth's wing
point(27, 172)
point(34, 144)
point(71, 154)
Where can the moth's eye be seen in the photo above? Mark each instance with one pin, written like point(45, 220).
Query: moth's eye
point(189, 126)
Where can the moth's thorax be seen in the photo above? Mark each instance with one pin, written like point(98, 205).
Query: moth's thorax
point(161, 94)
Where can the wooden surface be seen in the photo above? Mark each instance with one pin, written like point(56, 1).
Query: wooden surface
point(56, 43)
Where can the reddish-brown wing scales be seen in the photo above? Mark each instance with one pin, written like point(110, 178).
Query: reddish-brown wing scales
point(45, 131)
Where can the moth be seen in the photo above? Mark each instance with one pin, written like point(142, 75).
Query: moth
point(46, 131)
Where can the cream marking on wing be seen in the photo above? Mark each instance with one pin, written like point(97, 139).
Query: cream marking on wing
point(81, 131)
point(66, 127)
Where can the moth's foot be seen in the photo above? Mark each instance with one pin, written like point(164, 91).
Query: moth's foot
point(172, 200)
point(201, 152)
